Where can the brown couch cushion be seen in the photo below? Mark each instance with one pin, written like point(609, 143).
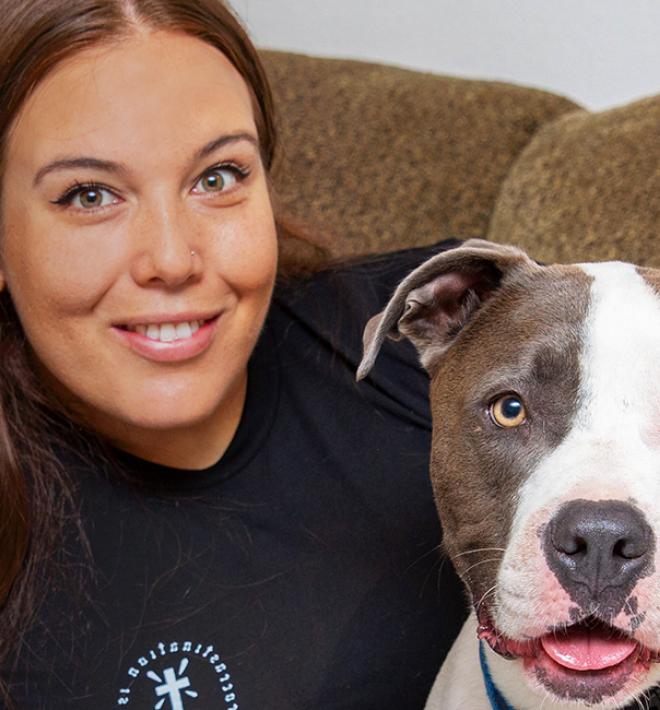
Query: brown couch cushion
point(587, 188)
point(381, 158)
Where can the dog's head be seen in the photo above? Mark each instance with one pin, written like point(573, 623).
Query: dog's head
point(545, 463)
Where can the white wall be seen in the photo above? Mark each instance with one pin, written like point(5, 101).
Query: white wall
point(599, 52)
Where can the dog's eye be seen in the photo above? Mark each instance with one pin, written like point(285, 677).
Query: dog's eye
point(508, 411)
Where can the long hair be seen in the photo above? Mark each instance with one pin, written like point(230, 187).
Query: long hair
point(36, 492)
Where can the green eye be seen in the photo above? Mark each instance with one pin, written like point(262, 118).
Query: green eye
point(219, 179)
point(508, 411)
point(88, 197)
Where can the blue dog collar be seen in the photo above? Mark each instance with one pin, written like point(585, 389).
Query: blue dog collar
point(497, 701)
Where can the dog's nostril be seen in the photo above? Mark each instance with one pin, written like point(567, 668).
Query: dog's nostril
point(629, 549)
point(570, 546)
point(593, 546)
point(625, 548)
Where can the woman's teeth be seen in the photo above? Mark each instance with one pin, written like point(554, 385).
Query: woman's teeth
point(167, 332)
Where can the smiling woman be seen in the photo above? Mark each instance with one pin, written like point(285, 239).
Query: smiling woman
point(100, 224)
point(197, 505)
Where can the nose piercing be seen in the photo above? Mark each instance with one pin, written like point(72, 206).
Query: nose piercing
point(192, 252)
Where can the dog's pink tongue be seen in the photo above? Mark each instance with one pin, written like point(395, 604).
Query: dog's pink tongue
point(583, 649)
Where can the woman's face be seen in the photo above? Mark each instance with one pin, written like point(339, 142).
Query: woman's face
point(138, 239)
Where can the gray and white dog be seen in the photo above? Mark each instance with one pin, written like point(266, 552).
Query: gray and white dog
point(545, 465)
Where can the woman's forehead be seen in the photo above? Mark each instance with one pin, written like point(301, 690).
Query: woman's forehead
point(156, 91)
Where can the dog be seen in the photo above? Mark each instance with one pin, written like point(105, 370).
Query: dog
point(545, 466)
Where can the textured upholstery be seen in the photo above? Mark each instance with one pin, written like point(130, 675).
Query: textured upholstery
point(379, 158)
point(587, 188)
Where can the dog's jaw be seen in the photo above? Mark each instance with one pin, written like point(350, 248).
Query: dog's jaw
point(523, 691)
point(586, 663)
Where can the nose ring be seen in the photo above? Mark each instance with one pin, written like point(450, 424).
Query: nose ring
point(192, 252)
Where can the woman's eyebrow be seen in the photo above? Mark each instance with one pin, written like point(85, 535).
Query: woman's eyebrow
point(113, 167)
point(223, 140)
point(82, 162)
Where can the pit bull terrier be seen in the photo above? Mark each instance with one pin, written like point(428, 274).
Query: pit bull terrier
point(545, 465)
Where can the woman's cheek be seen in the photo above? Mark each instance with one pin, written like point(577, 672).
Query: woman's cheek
point(247, 249)
point(57, 267)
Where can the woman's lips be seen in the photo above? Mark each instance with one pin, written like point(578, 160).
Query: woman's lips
point(173, 351)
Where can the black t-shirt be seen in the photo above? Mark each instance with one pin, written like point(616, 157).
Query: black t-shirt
point(302, 571)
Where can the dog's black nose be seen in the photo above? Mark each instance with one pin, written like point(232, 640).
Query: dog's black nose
point(598, 550)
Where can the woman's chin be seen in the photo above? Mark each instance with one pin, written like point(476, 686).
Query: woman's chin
point(194, 426)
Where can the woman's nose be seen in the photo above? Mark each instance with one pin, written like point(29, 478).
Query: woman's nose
point(165, 251)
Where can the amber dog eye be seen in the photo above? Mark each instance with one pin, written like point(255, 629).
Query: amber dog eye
point(508, 411)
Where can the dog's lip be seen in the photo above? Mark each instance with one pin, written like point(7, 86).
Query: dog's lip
point(590, 685)
point(625, 673)
point(503, 645)
point(532, 648)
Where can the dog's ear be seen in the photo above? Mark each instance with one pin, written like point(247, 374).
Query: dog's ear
point(434, 303)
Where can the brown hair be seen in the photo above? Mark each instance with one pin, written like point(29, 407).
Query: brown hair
point(36, 493)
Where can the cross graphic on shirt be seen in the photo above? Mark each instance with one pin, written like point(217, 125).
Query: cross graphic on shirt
point(171, 686)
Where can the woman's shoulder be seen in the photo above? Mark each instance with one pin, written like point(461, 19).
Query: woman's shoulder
point(363, 282)
point(336, 303)
point(315, 333)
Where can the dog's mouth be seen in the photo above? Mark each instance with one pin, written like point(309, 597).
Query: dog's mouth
point(586, 661)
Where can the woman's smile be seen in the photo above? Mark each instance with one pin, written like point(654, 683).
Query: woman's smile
point(170, 339)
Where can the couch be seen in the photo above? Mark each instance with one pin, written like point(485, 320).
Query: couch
point(378, 158)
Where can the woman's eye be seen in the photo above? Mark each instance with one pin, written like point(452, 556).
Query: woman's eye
point(87, 197)
point(508, 411)
point(218, 179)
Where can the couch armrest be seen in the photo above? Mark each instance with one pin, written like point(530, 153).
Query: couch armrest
point(587, 188)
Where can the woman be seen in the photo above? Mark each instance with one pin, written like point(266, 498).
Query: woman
point(200, 507)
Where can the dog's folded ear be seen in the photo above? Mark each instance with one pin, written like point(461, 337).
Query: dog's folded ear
point(435, 302)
